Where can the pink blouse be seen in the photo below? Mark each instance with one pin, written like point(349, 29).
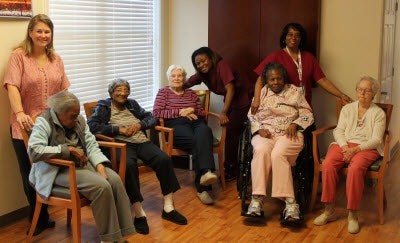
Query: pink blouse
point(277, 111)
point(35, 84)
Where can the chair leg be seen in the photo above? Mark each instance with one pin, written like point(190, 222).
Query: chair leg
point(35, 220)
point(221, 169)
point(380, 199)
point(76, 225)
point(314, 190)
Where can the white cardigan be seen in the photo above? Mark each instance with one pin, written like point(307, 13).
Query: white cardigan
point(369, 135)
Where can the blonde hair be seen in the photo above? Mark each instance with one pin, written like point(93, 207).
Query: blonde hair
point(27, 43)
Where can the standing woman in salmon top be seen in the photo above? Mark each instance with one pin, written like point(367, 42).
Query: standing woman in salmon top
point(34, 73)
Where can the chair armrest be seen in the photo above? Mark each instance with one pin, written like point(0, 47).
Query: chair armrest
point(104, 137)
point(322, 130)
point(166, 146)
point(215, 115)
point(223, 132)
point(73, 188)
point(387, 137)
point(121, 169)
point(315, 151)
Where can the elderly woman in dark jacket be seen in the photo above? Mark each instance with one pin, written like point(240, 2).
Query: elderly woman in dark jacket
point(60, 132)
point(125, 120)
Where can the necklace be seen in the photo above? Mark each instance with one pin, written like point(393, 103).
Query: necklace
point(298, 64)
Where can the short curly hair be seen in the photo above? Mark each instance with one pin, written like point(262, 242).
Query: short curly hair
point(274, 66)
point(117, 83)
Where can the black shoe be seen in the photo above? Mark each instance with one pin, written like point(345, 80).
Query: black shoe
point(40, 227)
point(174, 217)
point(141, 225)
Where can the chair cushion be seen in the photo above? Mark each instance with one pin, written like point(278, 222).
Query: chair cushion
point(373, 167)
point(60, 191)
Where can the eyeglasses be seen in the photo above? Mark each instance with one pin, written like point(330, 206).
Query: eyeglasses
point(360, 90)
point(122, 91)
point(293, 35)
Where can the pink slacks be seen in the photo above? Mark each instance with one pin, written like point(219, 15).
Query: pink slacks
point(279, 154)
point(357, 168)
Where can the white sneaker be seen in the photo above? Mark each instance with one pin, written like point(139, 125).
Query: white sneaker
point(291, 211)
point(256, 207)
point(208, 178)
point(205, 198)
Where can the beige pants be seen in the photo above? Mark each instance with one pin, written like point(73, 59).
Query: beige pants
point(279, 154)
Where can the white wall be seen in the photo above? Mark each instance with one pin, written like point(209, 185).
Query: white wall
point(188, 31)
point(395, 121)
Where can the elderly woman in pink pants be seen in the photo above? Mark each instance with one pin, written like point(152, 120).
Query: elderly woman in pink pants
point(277, 140)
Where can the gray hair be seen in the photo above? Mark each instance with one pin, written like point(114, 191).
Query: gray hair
point(62, 101)
point(175, 67)
point(116, 83)
point(374, 83)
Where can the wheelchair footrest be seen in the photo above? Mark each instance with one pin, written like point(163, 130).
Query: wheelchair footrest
point(291, 222)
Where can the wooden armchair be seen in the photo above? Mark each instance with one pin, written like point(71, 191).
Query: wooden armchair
point(218, 144)
point(89, 109)
point(375, 171)
point(70, 198)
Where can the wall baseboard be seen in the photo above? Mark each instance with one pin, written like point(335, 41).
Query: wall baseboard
point(14, 216)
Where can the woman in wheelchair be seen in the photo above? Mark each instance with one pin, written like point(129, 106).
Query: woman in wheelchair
point(277, 140)
point(358, 143)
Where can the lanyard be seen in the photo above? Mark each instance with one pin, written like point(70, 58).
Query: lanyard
point(298, 65)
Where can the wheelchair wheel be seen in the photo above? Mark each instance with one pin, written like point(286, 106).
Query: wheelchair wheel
point(303, 171)
point(245, 155)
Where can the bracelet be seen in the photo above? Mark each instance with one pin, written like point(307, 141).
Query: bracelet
point(18, 112)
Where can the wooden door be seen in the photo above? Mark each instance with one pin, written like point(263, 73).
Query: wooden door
point(234, 32)
point(244, 32)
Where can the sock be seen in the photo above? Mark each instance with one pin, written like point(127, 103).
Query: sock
point(290, 200)
point(168, 203)
point(137, 208)
point(329, 208)
point(259, 198)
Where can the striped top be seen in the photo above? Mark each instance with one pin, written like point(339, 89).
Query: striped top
point(168, 104)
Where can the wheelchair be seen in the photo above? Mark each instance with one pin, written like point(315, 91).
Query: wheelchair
point(302, 172)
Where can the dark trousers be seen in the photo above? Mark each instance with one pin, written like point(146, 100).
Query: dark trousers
point(30, 193)
point(156, 159)
point(196, 138)
point(234, 129)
